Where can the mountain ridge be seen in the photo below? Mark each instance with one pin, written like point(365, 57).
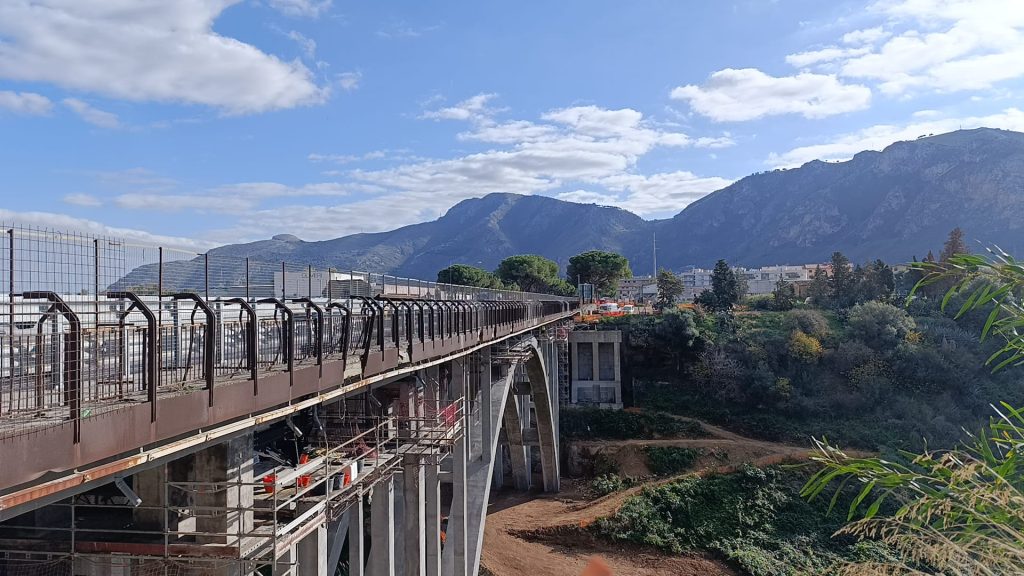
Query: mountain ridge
point(893, 204)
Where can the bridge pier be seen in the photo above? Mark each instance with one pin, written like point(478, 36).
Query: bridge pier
point(382, 529)
point(356, 538)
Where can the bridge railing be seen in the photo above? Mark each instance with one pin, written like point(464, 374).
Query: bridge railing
point(89, 325)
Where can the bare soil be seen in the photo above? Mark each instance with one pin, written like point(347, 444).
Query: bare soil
point(544, 535)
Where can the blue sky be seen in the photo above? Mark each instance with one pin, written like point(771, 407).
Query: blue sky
point(200, 122)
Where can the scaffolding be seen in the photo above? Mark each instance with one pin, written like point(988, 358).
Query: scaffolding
point(243, 525)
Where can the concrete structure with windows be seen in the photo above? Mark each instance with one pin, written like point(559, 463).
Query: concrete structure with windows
point(638, 289)
point(596, 368)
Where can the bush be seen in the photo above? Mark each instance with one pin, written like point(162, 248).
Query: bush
point(810, 322)
point(597, 423)
point(670, 460)
point(754, 517)
point(879, 325)
point(607, 483)
point(804, 348)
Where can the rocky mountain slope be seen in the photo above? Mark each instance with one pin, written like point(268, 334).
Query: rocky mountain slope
point(894, 204)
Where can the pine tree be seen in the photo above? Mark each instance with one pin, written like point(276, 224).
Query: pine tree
point(843, 284)
point(819, 291)
point(784, 296)
point(725, 290)
point(954, 245)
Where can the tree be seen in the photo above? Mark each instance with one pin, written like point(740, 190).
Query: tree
point(879, 325)
point(843, 285)
point(819, 291)
point(465, 275)
point(670, 288)
point(876, 282)
point(602, 269)
point(724, 291)
point(959, 511)
point(783, 296)
point(531, 273)
point(954, 245)
point(742, 286)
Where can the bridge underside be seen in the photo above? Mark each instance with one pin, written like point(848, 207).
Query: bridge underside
point(391, 477)
point(163, 412)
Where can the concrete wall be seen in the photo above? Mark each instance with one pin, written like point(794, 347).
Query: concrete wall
point(600, 384)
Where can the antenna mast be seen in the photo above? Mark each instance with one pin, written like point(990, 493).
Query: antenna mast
point(654, 247)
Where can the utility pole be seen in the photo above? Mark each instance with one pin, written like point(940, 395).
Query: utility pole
point(655, 250)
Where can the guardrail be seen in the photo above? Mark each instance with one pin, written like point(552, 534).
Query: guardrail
point(85, 338)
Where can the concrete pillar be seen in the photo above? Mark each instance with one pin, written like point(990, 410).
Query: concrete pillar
point(432, 518)
point(285, 563)
point(414, 526)
point(486, 418)
point(337, 533)
point(151, 486)
point(499, 468)
point(230, 464)
point(456, 534)
point(527, 416)
point(311, 553)
point(382, 529)
point(356, 548)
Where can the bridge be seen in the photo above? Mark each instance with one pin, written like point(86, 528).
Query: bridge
point(172, 413)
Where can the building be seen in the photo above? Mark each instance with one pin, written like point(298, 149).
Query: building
point(760, 281)
point(596, 377)
point(638, 288)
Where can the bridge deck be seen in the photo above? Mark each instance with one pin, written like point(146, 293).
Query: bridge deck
point(70, 435)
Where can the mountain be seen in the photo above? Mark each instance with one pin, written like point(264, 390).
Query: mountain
point(894, 204)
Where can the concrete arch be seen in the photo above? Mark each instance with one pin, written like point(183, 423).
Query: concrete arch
point(541, 391)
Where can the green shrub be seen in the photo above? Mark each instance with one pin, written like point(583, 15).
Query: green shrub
point(753, 517)
point(670, 460)
point(810, 322)
point(879, 325)
point(601, 424)
point(608, 483)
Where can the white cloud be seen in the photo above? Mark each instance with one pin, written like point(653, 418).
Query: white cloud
point(657, 194)
point(308, 45)
point(301, 8)
point(80, 199)
point(163, 51)
point(231, 198)
point(65, 222)
point(349, 81)
point(865, 36)
point(879, 136)
point(929, 45)
point(829, 54)
point(28, 103)
point(93, 116)
point(732, 95)
point(474, 108)
point(347, 158)
point(404, 30)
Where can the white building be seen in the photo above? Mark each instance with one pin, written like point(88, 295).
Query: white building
point(696, 280)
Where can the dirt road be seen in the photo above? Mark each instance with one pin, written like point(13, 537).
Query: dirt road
point(565, 551)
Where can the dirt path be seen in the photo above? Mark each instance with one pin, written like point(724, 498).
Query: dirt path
point(506, 554)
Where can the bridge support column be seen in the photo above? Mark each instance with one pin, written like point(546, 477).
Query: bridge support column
point(229, 464)
point(414, 526)
point(382, 529)
point(486, 417)
point(432, 520)
point(356, 549)
point(454, 556)
point(311, 553)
